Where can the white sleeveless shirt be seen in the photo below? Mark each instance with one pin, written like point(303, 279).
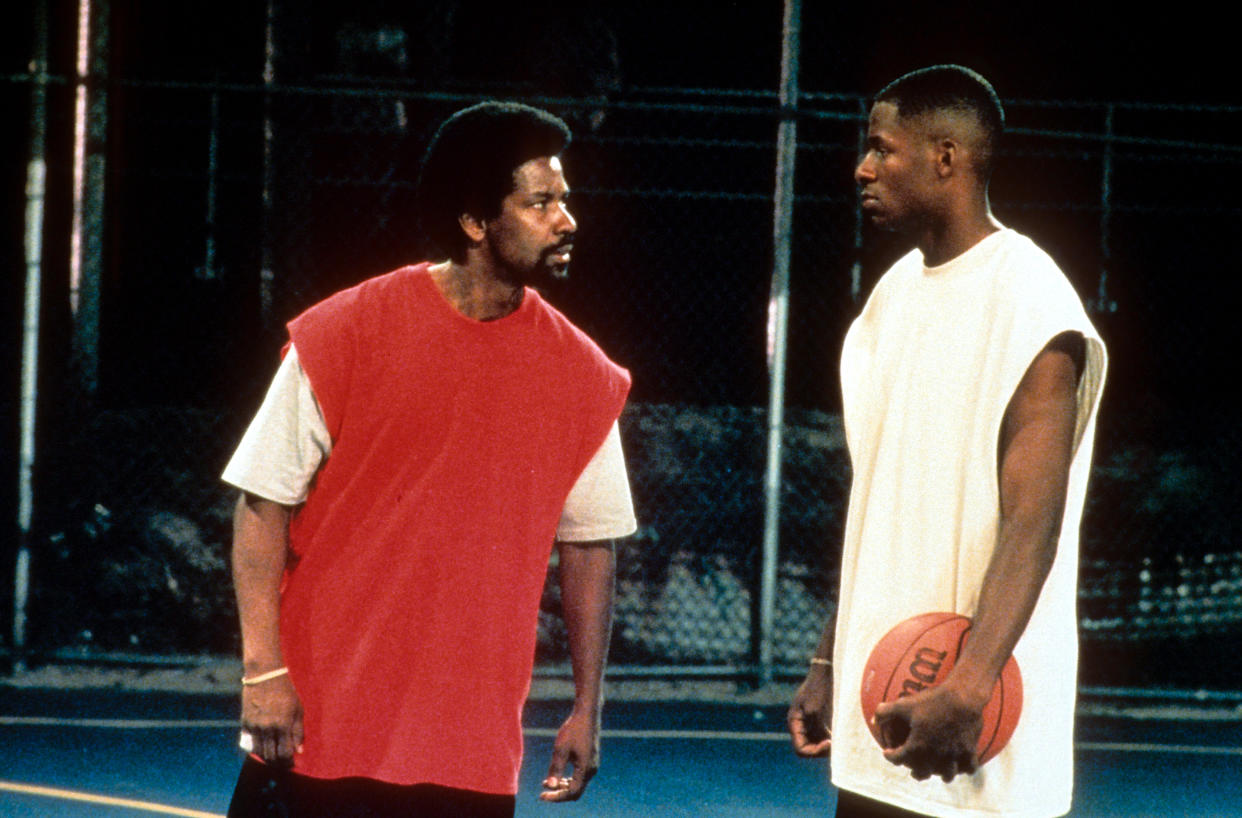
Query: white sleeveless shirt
point(927, 372)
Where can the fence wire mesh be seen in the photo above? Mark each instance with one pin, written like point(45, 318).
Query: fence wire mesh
point(231, 208)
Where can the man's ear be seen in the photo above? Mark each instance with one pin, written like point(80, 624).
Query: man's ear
point(474, 227)
point(949, 156)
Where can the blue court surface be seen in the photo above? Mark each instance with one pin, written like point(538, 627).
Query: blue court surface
point(122, 753)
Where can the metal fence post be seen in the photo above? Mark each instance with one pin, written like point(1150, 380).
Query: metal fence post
point(36, 184)
point(778, 318)
point(1102, 303)
point(210, 271)
point(267, 277)
point(89, 183)
point(856, 268)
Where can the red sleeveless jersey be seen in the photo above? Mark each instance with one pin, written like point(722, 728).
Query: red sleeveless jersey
point(409, 609)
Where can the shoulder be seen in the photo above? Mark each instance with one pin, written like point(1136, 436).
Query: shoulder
point(379, 288)
point(1024, 282)
point(895, 280)
point(363, 304)
point(553, 325)
point(1045, 305)
point(1024, 265)
point(901, 271)
point(569, 341)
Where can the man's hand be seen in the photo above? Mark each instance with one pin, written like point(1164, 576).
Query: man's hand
point(934, 732)
point(577, 744)
point(272, 717)
point(810, 714)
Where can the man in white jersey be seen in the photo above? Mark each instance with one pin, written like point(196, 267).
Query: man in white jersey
point(970, 384)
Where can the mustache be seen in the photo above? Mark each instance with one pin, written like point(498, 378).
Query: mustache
point(559, 247)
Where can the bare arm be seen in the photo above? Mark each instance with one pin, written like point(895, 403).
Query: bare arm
point(271, 712)
point(810, 715)
point(1036, 448)
point(587, 572)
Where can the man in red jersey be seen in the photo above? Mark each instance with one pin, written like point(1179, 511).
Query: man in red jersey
point(431, 433)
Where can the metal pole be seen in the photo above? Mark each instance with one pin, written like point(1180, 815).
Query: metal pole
point(856, 268)
point(90, 165)
point(1102, 303)
point(208, 271)
point(36, 188)
point(267, 277)
point(778, 326)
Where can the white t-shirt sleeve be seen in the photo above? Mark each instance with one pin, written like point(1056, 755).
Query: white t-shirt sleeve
point(286, 443)
point(599, 506)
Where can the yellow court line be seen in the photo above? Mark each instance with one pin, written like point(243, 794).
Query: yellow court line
point(104, 800)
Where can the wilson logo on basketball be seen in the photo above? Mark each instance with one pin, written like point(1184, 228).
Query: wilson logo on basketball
point(918, 654)
point(923, 671)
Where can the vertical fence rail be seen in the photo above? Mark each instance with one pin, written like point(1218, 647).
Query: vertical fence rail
point(778, 321)
point(1102, 302)
point(90, 181)
point(860, 146)
point(267, 276)
point(36, 192)
point(209, 270)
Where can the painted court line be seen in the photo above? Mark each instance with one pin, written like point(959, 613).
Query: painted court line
point(706, 735)
point(1173, 749)
point(216, 724)
point(102, 800)
point(116, 724)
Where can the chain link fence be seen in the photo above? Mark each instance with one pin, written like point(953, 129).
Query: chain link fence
point(231, 208)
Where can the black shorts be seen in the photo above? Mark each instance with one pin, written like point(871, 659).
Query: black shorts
point(850, 805)
point(263, 791)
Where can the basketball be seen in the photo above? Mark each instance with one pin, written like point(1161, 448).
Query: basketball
point(919, 653)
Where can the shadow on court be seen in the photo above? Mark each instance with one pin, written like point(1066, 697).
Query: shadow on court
point(175, 754)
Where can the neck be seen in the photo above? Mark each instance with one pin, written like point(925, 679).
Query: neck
point(474, 293)
point(945, 240)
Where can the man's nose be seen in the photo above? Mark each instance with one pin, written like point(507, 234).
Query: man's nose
point(566, 223)
point(864, 171)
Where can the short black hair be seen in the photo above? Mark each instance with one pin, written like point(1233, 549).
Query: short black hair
point(951, 88)
point(469, 165)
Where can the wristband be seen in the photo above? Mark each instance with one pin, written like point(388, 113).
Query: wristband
point(263, 677)
point(816, 660)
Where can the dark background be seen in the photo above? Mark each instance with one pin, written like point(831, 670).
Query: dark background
point(1055, 53)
